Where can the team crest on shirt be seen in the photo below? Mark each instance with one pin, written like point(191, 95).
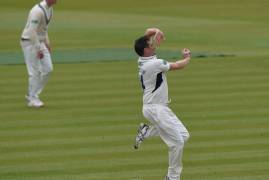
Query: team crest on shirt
point(34, 21)
point(142, 72)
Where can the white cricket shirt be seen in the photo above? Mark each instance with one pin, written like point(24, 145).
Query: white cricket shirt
point(37, 24)
point(153, 79)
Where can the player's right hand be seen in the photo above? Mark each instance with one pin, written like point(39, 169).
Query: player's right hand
point(155, 36)
point(40, 54)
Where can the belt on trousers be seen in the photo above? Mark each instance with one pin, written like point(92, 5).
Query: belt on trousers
point(24, 39)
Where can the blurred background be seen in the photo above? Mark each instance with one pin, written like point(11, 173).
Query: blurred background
point(94, 100)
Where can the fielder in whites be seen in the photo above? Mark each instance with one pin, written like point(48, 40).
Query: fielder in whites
point(36, 49)
point(164, 123)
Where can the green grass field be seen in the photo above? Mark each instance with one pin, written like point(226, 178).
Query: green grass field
point(87, 128)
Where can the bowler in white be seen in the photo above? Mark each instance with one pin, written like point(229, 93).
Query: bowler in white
point(36, 49)
point(164, 123)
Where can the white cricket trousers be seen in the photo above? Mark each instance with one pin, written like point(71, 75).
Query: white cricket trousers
point(171, 130)
point(38, 69)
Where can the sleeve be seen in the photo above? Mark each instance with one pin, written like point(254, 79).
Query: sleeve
point(35, 20)
point(163, 65)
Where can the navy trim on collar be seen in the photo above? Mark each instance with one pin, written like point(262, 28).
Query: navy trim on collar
point(149, 57)
point(45, 14)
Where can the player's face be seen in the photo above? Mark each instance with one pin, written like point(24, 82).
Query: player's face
point(51, 2)
point(149, 51)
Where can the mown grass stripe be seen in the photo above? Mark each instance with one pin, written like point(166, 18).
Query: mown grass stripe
point(22, 141)
point(230, 146)
point(56, 168)
point(20, 157)
point(123, 120)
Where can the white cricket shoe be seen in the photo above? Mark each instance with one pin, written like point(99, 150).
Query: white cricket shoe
point(35, 102)
point(27, 98)
point(141, 132)
point(166, 178)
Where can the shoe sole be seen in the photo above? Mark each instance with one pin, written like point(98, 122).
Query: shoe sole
point(32, 106)
point(36, 107)
point(140, 127)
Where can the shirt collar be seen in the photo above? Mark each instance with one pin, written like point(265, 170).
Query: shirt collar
point(147, 58)
point(44, 4)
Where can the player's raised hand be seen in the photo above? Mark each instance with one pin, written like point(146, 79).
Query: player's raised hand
point(155, 36)
point(186, 53)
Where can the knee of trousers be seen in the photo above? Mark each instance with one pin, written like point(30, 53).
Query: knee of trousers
point(176, 145)
point(186, 137)
point(180, 142)
point(33, 74)
point(47, 71)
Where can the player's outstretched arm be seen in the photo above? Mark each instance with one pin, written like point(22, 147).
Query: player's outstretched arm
point(180, 64)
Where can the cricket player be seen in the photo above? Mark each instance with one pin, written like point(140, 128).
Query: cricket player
point(36, 49)
point(164, 122)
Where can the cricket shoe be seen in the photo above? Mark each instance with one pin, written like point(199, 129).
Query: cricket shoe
point(35, 102)
point(166, 178)
point(141, 132)
point(27, 98)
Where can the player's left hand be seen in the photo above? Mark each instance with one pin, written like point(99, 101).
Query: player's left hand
point(186, 53)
